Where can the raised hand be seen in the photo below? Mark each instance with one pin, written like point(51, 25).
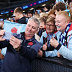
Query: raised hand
point(40, 53)
point(45, 46)
point(54, 42)
point(15, 43)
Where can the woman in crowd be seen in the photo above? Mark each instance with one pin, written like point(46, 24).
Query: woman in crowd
point(47, 49)
point(64, 35)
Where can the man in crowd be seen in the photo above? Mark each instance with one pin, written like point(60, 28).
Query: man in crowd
point(18, 16)
point(21, 48)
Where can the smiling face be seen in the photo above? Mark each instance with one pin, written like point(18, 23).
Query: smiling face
point(61, 23)
point(31, 28)
point(50, 27)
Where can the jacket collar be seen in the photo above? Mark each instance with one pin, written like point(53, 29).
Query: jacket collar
point(23, 37)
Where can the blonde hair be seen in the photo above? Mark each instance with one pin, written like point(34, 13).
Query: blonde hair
point(43, 14)
point(37, 16)
point(51, 12)
point(65, 14)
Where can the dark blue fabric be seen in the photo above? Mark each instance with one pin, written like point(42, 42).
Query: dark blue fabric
point(41, 30)
point(0, 64)
point(22, 20)
point(19, 61)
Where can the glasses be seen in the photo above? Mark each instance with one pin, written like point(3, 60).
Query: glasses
point(50, 25)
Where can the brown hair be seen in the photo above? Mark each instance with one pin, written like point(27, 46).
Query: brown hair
point(19, 10)
point(42, 20)
point(51, 19)
point(60, 5)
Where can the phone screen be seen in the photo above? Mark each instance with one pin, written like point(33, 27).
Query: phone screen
point(7, 35)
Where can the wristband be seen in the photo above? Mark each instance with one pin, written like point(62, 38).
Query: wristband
point(58, 47)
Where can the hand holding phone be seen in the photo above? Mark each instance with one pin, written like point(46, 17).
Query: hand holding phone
point(7, 35)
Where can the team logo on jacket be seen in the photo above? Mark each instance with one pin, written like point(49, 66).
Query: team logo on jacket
point(30, 43)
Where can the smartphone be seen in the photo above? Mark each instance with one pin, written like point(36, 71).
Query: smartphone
point(7, 35)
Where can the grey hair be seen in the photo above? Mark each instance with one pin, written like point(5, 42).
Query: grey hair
point(35, 20)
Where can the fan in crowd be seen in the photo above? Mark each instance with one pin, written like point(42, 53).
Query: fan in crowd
point(47, 50)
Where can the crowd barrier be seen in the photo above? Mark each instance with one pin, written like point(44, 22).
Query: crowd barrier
point(54, 64)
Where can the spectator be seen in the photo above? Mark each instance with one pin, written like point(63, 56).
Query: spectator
point(64, 35)
point(19, 17)
point(51, 13)
point(12, 20)
point(46, 8)
point(30, 14)
point(47, 49)
point(44, 15)
point(21, 48)
point(36, 15)
point(42, 22)
point(60, 6)
point(1, 55)
point(41, 10)
point(42, 27)
point(70, 5)
point(26, 16)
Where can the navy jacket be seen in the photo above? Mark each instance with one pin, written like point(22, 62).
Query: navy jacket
point(19, 61)
point(22, 20)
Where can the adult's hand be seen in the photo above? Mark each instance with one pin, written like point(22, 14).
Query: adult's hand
point(1, 35)
point(58, 54)
point(45, 46)
point(54, 42)
point(15, 43)
point(40, 53)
